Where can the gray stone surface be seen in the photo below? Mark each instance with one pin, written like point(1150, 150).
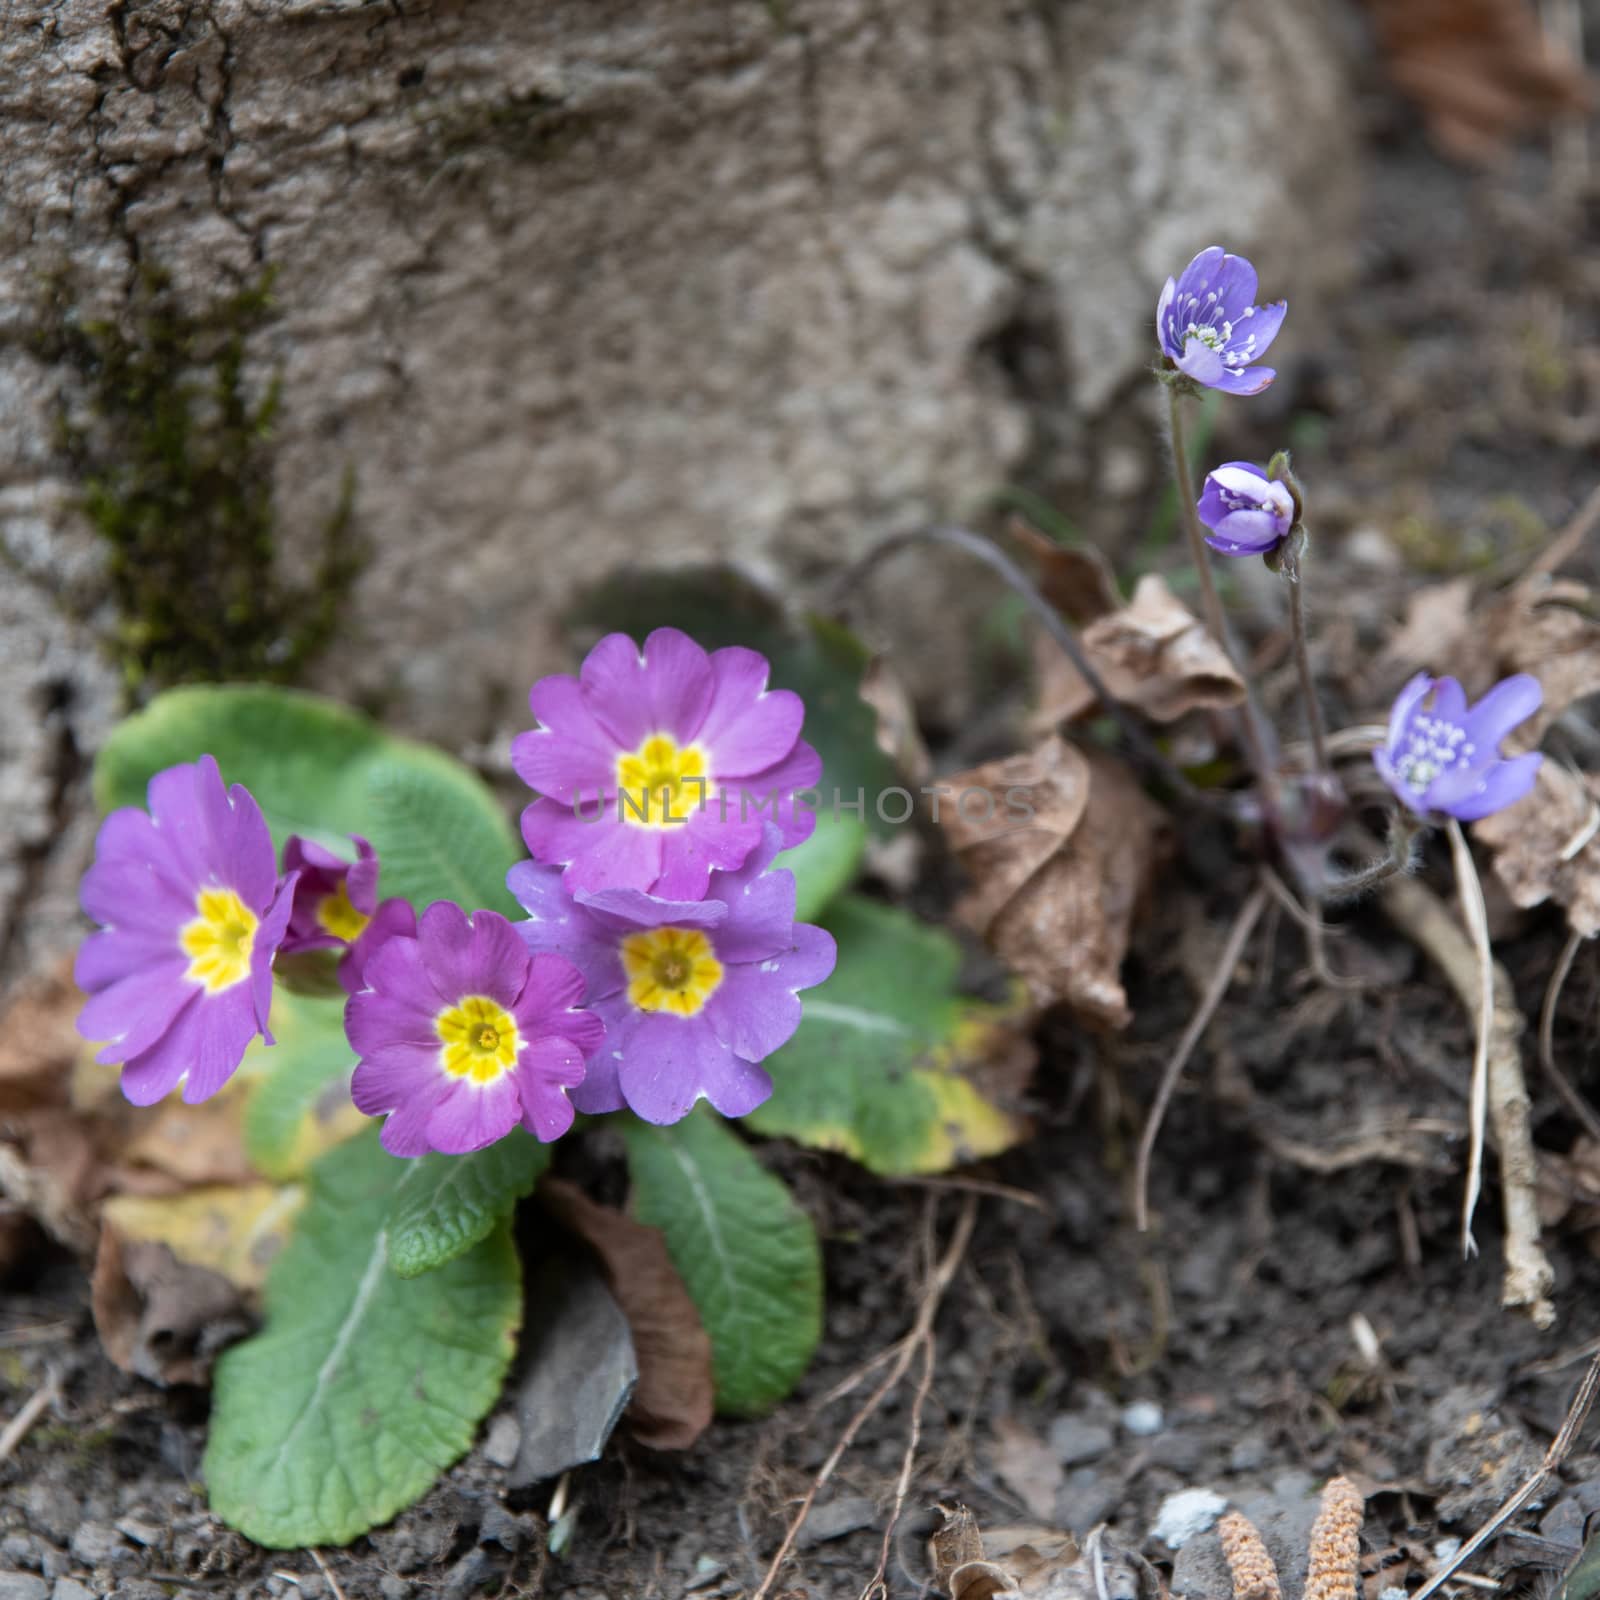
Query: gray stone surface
point(575, 284)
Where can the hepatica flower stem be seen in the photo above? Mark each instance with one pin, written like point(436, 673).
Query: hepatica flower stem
point(1255, 744)
point(1302, 661)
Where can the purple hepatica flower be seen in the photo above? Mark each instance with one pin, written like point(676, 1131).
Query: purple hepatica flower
point(179, 977)
point(462, 1035)
point(1248, 513)
point(693, 993)
point(1447, 759)
point(1210, 329)
point(652, 765)
point(336, 906)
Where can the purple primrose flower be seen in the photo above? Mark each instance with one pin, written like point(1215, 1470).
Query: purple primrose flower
point(652, 765)
point(1210, 329)
point(1447, 759)
point(462, 1034)
point(1247, 512)
point(192, 912)
point(693, 993)
point(336, 906)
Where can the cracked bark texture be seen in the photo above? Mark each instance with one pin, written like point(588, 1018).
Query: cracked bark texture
point(586, 282)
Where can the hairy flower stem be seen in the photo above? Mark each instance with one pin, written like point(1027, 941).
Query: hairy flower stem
point(1211, 601)
point(1302, 662)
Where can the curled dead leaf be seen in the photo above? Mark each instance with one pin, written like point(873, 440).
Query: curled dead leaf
point(1153, 654)
point(673, 1400)
point(160, 1318)
point(1078, 582)
point(1547, 846)
point(1055, 894)
point(1031, 1562)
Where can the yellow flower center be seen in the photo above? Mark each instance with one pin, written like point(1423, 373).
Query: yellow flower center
point(670, 969)
point(662, 783)
point(219, 939)
point(337, 916)
point(480, 1040)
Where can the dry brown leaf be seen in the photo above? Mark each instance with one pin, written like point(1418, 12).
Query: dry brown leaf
point(39, 1042)
point(1027, 1466)
point(1480, 70)
point(1055, 897)
point(898, 735)
point(1551, 628)
point(672, 1403)
point(1547, 846)
point(193, 1145)
point(1078, 583)
point(1152, 654)
point(1030, 1562)
point(160, 1318)
point(1437, 620)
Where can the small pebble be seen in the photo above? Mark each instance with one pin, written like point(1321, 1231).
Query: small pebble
point(70, 1589)
point(1185, 1515)
point(504, 1440)
point(1446, 1549)
point(23, 1586)
point(1143, 1418)
point(1393, 1593)
point(846, 1514)
point(1075, 1440)
point(97, 1544)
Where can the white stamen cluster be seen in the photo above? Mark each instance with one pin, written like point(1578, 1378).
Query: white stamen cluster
point(1202, 324)
point(1431, 746)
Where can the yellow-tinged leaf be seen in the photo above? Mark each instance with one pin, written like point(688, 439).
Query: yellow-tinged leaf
point(232, 1231)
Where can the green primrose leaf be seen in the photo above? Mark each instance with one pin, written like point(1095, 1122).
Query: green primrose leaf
point(747, 1253)
point(882, 1066)
point(362, 1386)
point(300, 1103)
point(321, 770)
point(440, 835)
point(826, 864)
point(443, 1205)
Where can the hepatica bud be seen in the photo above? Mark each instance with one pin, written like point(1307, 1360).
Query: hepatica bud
point(1248, 513)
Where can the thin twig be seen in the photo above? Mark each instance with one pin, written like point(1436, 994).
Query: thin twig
point(34, 1407)
point(899, 1358)
point(878, 1587)
point(1574, 1102)
point(1423, 917)
point(1243, 925)
point(1302, 662)
point(1057, 626)
point(982, 1186)
point(1211, 601)
point(1565, 543)
point(1476, 916)
point(1560, 1446)
point(322, 1567)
